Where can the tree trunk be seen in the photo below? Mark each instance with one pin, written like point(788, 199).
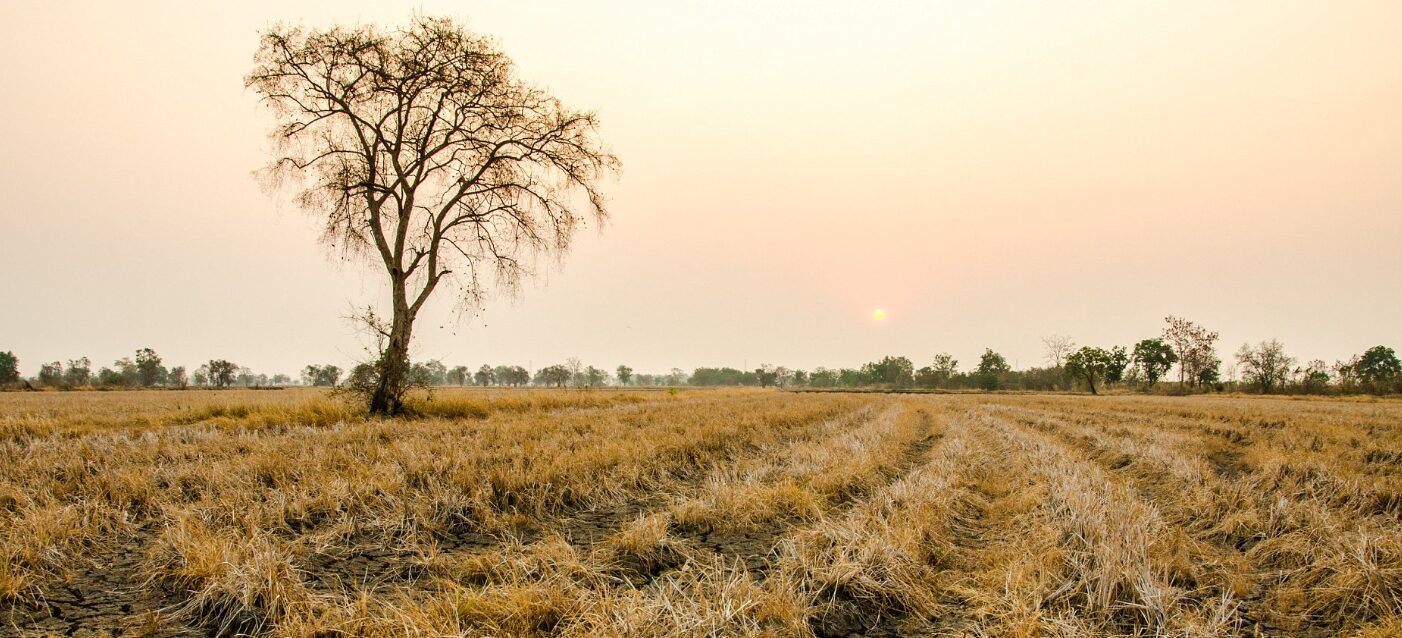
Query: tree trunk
point(1090, 380)
point(393, 366)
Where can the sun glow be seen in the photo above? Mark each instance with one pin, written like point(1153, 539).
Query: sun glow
point(878, 314)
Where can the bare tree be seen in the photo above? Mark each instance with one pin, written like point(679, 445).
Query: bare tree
point(428, 157)
point(1194, 346)
point(1058, 347)
point(1266, 365)
point(576, 368)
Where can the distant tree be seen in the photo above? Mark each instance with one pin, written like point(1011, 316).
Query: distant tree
point(991, 362)
point(222, 373)
point(518, 376)
point(766, 375)
point(108, 377)
point(420, 376)
point(1207, 368)
point(594, 377)
point(1153, 358)
point(9, 368)
point(849, 378)
point(1119, 360)
point(576, 368)
point(625, 375)
point(897, 372)
point(428, 156)
point(362, 376)
point(823, 378)
point(556, 375)
point(321, 376)
point(200, 376)
point(1057, 348)
point(149, 369)
point(1346, 373)
point(1265, 366)
point(177, 378)
point(945, 364)
point(440, 372)
point(783, 377)
point(433, 372)
point(280, 380)
point(800, 378)
point(1194, 347)
point(716, 377)
point(1378, 366)
point(1091, 364)
point(485, 375)
point(458, 375)
point(128, 375)
point(51, 374)
point(940, 373)
point(1134, 376)
point(329, 376)
point(78, 373)
point(992, 368)
point(1314, 377)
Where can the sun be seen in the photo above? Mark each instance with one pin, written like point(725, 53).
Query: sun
point(878, 314)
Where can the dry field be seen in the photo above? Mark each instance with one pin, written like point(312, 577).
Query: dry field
point(702, 513)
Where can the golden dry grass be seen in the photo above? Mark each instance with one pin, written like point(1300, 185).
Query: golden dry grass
point(706, 513)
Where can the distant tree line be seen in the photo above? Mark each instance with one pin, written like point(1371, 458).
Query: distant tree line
point(1183, 346)
point(145, 369)
point(1148, 365)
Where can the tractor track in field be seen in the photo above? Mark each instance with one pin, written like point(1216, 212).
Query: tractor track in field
point(756, 549)
point(753, 549)
point(987, 485)
point(1121, 465)
point(1250, 608)
point(849, 617)
point(371, 567)
point(750, 549)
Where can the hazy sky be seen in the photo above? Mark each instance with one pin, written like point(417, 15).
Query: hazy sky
point(988, 173)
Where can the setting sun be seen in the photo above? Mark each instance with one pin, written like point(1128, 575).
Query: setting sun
point(878, 314)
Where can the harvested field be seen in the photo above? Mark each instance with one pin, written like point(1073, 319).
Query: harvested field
point(700, 513)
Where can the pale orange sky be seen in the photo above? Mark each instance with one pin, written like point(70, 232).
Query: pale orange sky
point(988, 173)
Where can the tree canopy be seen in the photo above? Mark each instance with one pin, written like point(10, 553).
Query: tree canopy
point(1091, 364)
point(1154, 358)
